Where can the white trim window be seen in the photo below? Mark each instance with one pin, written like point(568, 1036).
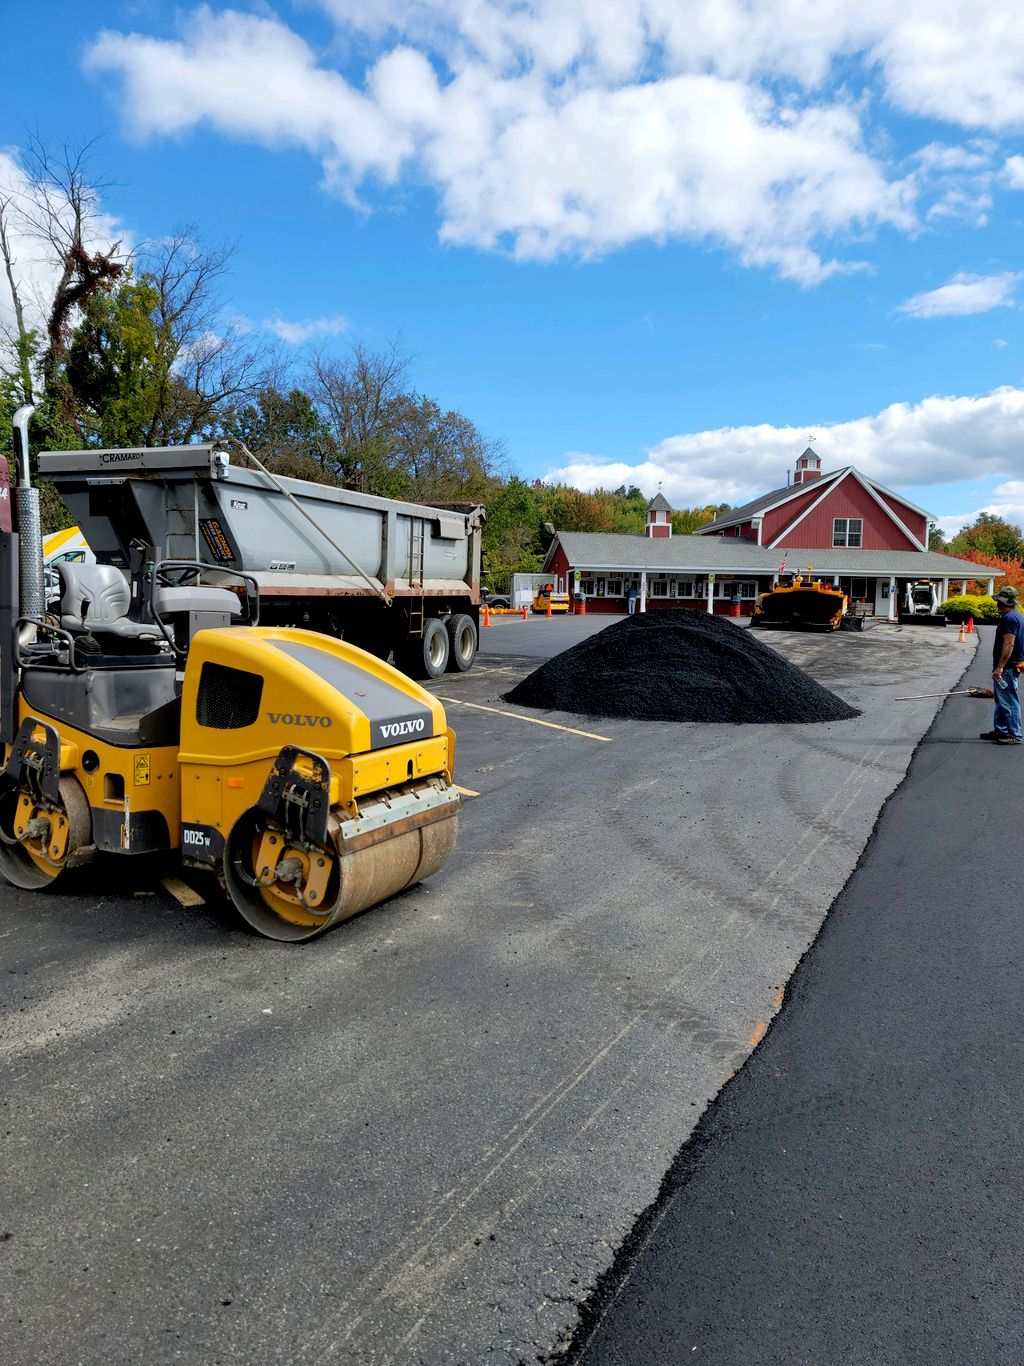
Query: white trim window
point(848, 531)
point(614, 589)
point(658, 588)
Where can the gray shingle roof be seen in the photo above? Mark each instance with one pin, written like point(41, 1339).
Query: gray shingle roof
point(730, 555)
point(767, 500)
point(660, 502)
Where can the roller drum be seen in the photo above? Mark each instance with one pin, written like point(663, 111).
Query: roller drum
point(369, 861)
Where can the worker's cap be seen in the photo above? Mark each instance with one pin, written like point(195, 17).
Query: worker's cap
point(1008, 596)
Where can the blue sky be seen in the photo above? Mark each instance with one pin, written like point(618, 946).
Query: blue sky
point(634, 240)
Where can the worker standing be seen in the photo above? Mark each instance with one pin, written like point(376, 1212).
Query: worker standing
point(631, 597)
point(1007, 655)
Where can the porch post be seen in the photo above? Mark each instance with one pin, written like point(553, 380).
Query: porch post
point(991, 588)
point(643, 590)
point(894, 602)
point(945, 589)
point(711, 594)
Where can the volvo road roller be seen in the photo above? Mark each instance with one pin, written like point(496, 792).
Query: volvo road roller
point(148, 711)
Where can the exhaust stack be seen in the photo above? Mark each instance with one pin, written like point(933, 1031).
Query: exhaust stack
point(30, 525)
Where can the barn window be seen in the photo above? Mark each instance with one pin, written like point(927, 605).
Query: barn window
point(847, 531)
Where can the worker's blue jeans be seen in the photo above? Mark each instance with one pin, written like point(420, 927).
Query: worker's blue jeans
point(1007, 710)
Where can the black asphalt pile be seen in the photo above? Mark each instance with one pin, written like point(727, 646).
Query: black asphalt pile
point(679, 665)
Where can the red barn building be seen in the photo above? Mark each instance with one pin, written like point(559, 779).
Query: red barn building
point(843, 526)
point(844, 510)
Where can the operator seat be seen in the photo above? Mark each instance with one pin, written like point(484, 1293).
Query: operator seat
point(95, 600)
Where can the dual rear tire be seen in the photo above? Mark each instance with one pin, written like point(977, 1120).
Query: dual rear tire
point(445, 647)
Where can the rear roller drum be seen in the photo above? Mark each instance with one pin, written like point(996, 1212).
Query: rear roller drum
point(39, 842)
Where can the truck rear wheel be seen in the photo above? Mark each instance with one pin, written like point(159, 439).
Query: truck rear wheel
point(463, 640)
point(426, 657)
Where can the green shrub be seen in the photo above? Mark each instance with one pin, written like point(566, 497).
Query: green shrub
point(964, 605)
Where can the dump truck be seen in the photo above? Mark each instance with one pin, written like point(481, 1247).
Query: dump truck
point(389, 576)
point(150, 711)
point(802, 604)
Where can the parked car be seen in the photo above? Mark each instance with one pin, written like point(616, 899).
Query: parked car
point(495, 599)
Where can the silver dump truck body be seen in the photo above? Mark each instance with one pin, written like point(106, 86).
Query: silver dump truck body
point(190, 502)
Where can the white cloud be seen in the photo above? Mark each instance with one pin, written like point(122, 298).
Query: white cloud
point(1014, 171)
point(964, 294)
point(524, 153)
point(939, 440)
point(1007, 503)
point(1000, 342)
point(941, 156)
point(295, 333)
point(576, 126)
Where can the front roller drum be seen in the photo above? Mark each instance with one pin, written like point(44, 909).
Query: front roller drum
point(291, 891)
point(39, 839)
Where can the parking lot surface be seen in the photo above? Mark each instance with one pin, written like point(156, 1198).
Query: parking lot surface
point(422, 1138)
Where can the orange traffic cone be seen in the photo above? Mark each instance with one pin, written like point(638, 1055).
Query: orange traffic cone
point(970, 625)
point(962, 636)
point(549, 607)
point(524, 613)
point(487, 616)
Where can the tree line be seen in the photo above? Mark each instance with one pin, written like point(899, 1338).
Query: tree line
point(990, 542)
point(121, 346)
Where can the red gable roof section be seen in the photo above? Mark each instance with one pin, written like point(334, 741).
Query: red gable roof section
point(850, 496)
point(916, 522)
point(775, 520)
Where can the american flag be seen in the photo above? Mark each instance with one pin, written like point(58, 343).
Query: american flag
point(782, 566)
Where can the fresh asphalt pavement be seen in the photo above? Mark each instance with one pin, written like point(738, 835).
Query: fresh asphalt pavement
point(423, 1137)
point(854, 1194)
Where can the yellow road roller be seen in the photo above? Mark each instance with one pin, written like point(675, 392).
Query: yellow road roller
point(149, 712)
point(546, 598)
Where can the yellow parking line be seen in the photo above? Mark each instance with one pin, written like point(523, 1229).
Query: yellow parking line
point(533, 720)
point(466, 791)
